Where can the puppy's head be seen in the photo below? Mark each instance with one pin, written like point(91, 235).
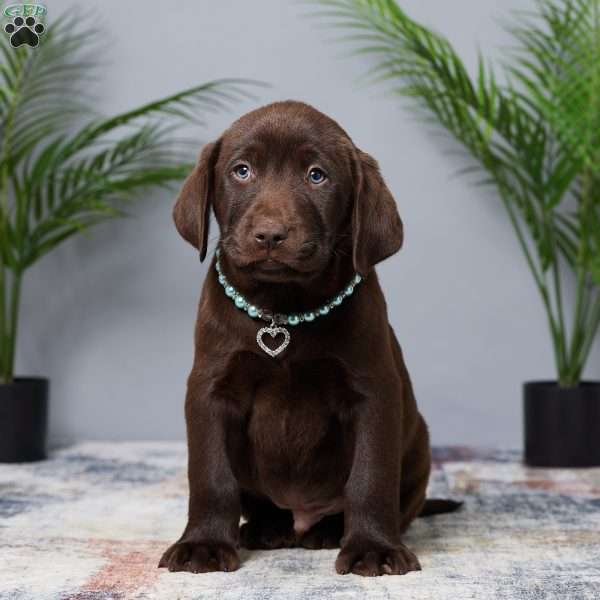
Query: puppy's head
point(289, 188)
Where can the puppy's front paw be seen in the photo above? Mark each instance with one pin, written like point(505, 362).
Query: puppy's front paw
point(370, 560)
point(200, 557)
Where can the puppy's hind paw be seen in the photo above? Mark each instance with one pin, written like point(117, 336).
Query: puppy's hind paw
point(259, 536)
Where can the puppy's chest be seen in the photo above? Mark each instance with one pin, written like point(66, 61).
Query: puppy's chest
point(297, 424)
point(288, 421)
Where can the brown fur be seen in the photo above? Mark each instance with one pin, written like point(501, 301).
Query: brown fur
point(328, 430)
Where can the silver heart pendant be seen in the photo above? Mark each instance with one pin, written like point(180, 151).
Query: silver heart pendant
point(273, 332)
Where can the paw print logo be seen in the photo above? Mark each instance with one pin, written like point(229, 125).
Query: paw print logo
point(24, 31)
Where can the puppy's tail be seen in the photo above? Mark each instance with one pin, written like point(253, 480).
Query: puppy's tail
point(438, 506)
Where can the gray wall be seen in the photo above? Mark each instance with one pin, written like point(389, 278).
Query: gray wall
point(109, 316)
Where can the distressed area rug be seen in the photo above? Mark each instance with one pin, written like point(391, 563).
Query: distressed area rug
point(91, 524)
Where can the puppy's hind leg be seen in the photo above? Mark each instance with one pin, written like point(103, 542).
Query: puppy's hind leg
point(268, 527)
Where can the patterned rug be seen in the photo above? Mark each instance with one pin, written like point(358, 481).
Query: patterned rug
point(92, 522)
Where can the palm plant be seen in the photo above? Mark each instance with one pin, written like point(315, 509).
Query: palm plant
point(531, 128)
point(63, 169)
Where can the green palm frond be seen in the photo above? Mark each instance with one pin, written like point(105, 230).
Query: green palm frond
point(558, 68)
point(43, 91)
point(533, 133)
point(63, 169)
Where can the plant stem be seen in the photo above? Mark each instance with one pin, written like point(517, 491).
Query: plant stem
point(579, 323)
point(5, 375)
point(523, 243)
point(561, 333)
point(15, 297)
point(7, 327)
point(584, 331)
point(541, 285)
point(588, 342)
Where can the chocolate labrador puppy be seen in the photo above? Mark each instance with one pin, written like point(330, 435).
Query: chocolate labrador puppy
point(300, 411)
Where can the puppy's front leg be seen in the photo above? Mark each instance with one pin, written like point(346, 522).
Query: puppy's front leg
point(211, 536)
point(371, 544)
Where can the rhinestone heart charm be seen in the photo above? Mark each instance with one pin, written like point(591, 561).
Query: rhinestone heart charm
point(273, 331)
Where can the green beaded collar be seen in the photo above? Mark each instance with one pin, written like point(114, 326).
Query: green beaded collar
point(276, 320)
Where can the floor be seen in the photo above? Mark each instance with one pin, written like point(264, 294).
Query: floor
point(92, 522)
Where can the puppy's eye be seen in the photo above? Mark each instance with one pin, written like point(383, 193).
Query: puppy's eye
point(241, 172)
point(316, 175)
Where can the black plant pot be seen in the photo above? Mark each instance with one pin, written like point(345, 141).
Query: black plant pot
point(23, 419)
point(562, 424)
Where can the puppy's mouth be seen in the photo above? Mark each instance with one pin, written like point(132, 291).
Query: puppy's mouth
point(270, 269)
point(273, 267)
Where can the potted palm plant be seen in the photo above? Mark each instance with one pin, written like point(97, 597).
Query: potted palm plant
point(534, 135)
point(63, 171)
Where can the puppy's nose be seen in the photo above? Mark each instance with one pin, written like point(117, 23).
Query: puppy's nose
point(269, 235)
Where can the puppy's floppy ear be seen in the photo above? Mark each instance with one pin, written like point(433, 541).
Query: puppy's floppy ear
point(192, 209)
point(376, 226)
